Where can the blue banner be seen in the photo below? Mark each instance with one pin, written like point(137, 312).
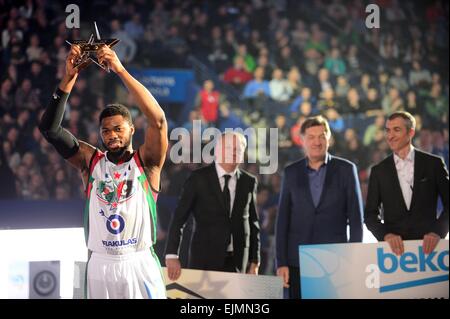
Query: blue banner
point(166, 85)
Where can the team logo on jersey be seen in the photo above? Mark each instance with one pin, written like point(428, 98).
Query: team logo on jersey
point(115, 224)
point(110, 194)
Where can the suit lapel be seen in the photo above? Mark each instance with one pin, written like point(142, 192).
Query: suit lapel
point(418, 173)
point(215, 185)
point(395, 181)
point(303, 182)
point(239, 191)
point(328, 177)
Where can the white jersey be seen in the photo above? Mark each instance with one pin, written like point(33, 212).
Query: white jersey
point(120, 213)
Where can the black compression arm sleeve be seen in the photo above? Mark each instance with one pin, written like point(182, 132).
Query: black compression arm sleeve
point(50, 126)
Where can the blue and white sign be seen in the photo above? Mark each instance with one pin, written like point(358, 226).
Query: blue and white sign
point(166, 85)
point(372, 271)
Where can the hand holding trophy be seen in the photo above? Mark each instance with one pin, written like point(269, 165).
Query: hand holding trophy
point(84, 52)
point(72, 62)
point(108, 58)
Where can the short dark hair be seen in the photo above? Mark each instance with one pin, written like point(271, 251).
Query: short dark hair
point(315, 121)
point(115, 109)
point(410, 121)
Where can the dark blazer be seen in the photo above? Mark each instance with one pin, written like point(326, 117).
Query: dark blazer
point(385, 199)
point(202, 196)
point(299, 222)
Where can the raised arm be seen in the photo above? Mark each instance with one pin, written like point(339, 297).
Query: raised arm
point(153, 151)
point(76, 152)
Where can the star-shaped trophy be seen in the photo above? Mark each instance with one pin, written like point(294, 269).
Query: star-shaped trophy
point(89, 49)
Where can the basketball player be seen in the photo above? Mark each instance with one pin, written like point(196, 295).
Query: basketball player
point(121, 186)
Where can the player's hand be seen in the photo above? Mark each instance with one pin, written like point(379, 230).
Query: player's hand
point(106, 56)
point(284, 273)
point(173, 268)
point(74, 55)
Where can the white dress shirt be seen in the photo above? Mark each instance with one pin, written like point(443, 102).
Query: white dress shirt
point(231, 187)
point(405, 173)
point(231, 183)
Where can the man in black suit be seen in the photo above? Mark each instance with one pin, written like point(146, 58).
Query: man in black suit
point(404, 190)
point(222, 199)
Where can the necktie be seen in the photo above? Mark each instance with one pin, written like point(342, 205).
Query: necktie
point(226, 193)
